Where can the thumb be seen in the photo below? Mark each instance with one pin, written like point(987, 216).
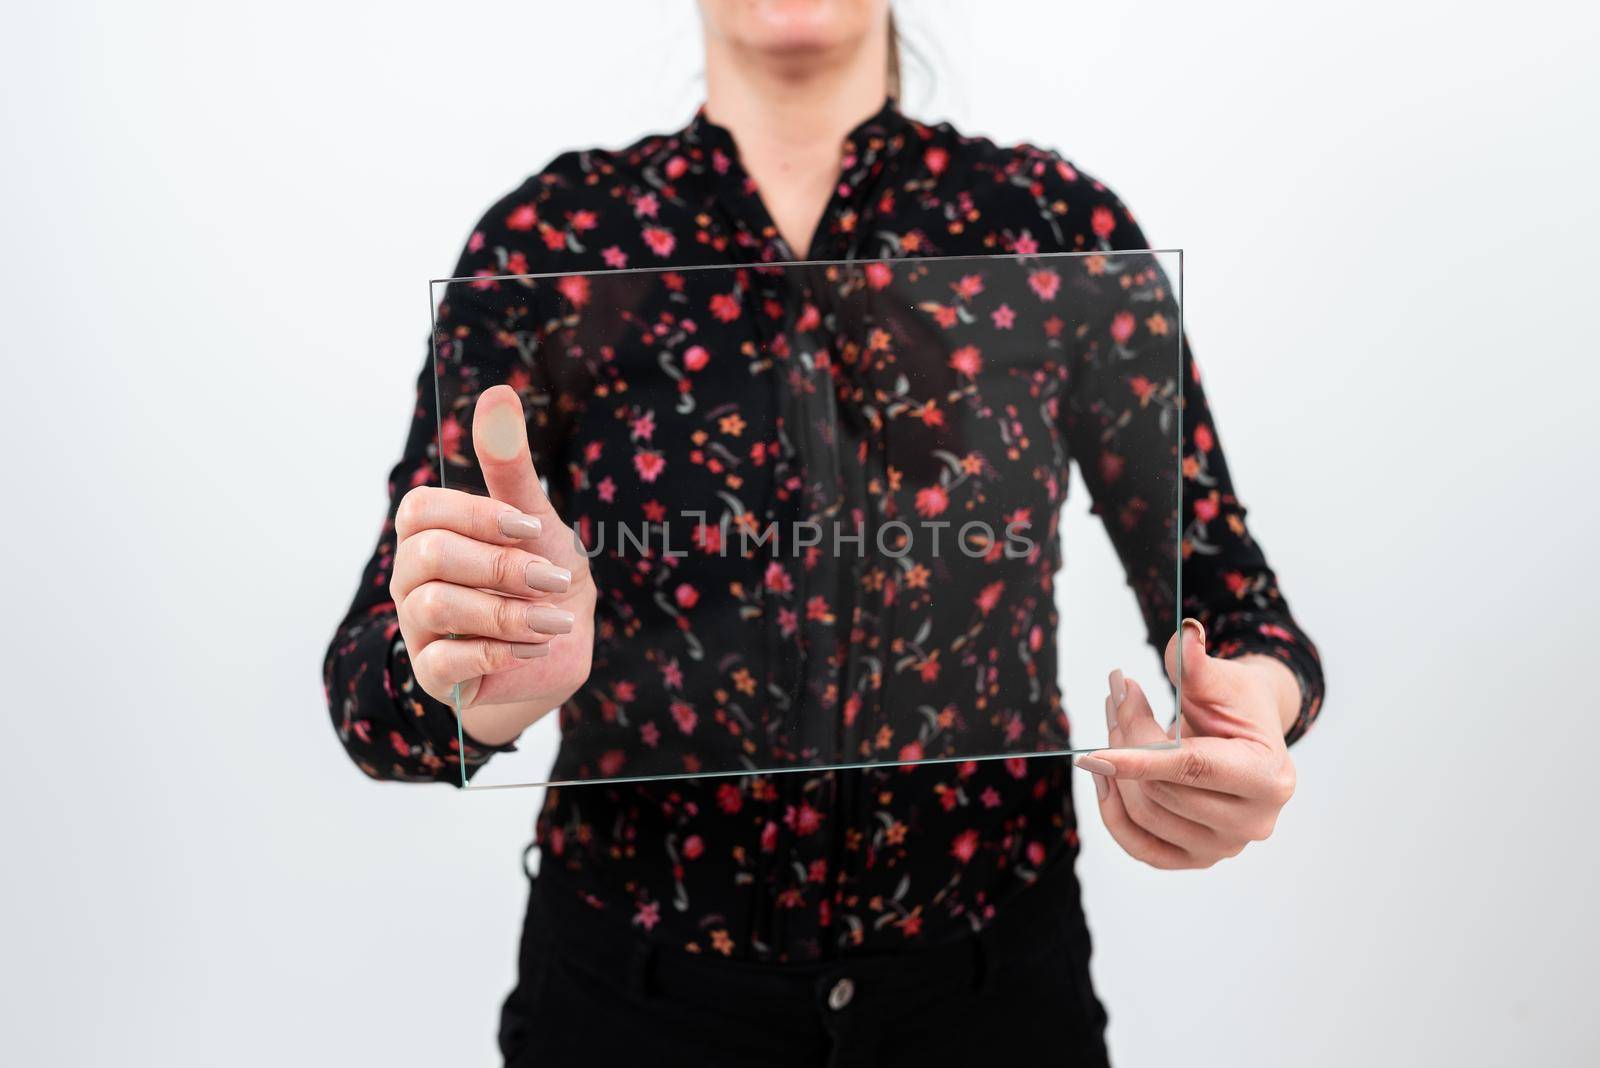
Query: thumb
point(500, 439)
point(1214, 692)
point(1206, 680)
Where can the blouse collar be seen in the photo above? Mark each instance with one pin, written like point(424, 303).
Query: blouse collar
point(876, 133)
point(866, 154)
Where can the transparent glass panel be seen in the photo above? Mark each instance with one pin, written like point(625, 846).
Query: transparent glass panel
point(822, 503)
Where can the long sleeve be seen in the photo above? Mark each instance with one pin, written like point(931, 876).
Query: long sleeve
point(1118, 421)
point(388, 725)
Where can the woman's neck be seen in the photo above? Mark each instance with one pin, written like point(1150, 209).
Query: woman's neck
point(789, 120)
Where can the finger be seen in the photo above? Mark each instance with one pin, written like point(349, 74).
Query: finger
point(1137, 726)
point(1136, 720)
point(447, 556)
point(1137, 842)
point(443, 608)
point(479, 518)
point(500, 439)
point(1231, 817)
point(1193, 838)
point(1226, 765)
point(448, 662)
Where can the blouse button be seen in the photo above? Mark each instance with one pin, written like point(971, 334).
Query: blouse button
point(841, 994)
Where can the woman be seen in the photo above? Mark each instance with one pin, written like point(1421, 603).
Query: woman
point(923, 915)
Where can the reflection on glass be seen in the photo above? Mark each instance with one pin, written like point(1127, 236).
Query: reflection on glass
point(822, 500)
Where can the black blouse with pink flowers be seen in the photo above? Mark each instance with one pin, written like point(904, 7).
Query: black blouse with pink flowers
point(807, 864)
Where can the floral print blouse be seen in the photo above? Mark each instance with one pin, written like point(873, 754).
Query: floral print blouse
point(807, 864)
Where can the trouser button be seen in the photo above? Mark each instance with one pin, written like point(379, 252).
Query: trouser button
point(841, 994)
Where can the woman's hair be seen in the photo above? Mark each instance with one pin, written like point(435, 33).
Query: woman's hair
point(894, 59)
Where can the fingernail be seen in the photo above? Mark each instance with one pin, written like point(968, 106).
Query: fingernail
point(1096, 765)
point(549, 578)
point(529, 651)
point(548, 620)
point(1199, 631)
point(500, 431)
point(1111, 715)
point(1102, 786)
point(1119, 688)
point(517, 525)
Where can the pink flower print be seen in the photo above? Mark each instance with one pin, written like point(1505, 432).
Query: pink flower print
point(522, 217)
point(1044, 283)
point(803, 820)
point(1122, 327)
point(967, 361)
point(1102, 222)
point(450, 439)
point(672, 675)
point(575, 287)
point(649, 464)
point(964, 845)
point(684, 715)
point(778, 579)
point(661, 241)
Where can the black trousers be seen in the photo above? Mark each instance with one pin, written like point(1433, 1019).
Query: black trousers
point(1016, 993)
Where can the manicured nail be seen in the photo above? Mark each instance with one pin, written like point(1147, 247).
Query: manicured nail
point(549, 578)
point(499, 431)
point(1102, 786)
point(517, 525)
point(1096, 765)
point(1199, 631)
point(1111, 715)
point(1119, 688)
point(529, 652)
point(547, 620)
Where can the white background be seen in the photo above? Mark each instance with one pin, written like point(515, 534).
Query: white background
point(215, 224)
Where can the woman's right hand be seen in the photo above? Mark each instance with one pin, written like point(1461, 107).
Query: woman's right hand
point(493, 593)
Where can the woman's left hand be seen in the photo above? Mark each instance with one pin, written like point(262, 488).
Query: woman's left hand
point(1224, 785)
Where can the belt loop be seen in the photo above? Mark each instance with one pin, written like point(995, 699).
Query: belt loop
point(640, 966)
